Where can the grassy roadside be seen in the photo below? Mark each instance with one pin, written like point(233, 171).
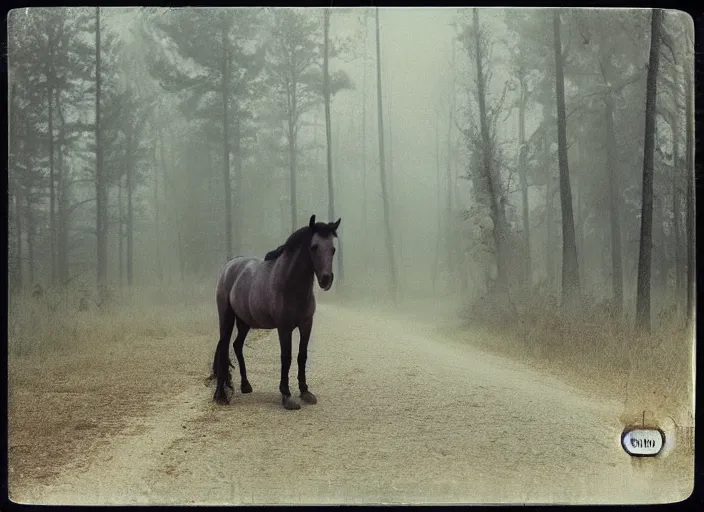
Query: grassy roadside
point(646, 373)
point(77, 376)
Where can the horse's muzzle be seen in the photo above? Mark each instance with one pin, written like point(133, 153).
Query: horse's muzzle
point(325, 281)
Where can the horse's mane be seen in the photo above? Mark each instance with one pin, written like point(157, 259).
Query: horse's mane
point(300, 236)
point(272, 255)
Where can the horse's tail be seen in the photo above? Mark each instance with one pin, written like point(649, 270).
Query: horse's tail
point(211, 377)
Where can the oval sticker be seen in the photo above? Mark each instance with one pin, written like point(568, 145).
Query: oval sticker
point(643, 442)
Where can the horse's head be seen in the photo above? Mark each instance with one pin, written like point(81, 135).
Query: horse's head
point(322, 249)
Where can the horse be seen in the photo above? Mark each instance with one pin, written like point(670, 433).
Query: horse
point(274, 293)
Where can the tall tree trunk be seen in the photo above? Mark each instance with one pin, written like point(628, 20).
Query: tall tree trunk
point(328, 133)
point(211, 172)
point(614, 214)
point(549, 193)
point(164, 196)
point(579, 210)
point(292, 120)
point(172, 166)
point(384, 192)
point(570, 267)
point(162, 162)
point(63, 199)
point(291, 90)
point(282, 216)
point(524, 180)
point(496, 204)
point(292, 173)
point(393, 205)
point(17, 278)
point(100, 186)
point(365, 219)
point(227, 185)
point(120, 232)
point(449, 208)
point(438, 231)
point(328, 126)
point(660, 242)
point(52, 174)
point(181, 258)
point(168, 189)
point(130, 222)
point(646, 225)
point(676, 213)
point(390, 132)
point(691, 183)
point(14, 175)
point(31, 232)
point(237, 139)
point(658, 279)
point(157, 225)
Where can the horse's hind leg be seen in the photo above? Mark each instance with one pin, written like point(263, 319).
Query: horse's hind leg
point(242, 331)
point(221, 360)
point(214, 373)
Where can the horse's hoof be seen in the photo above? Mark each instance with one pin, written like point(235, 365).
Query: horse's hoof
point(309, 398)
point(290, 404)
point(221, 399)
point(246, 387)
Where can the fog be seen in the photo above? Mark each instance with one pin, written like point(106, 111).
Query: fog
point(439, 217)
point(535, 196)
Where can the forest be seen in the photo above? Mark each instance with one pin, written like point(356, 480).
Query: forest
point(548, 159)
point(515, 255)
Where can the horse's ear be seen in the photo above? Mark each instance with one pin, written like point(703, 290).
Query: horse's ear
point(312, 222)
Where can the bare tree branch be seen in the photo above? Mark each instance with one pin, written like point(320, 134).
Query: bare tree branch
point(80, 203)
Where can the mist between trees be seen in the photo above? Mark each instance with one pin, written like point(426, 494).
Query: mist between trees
point(520, 156)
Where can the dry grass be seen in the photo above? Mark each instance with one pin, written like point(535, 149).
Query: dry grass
point(55, 321)
point(76, 377)
point(652, 373)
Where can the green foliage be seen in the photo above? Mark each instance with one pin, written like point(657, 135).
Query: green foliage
point(125, 133)
point(294, 62)
point(203, 50)
point(47, 52)
point(496, 112)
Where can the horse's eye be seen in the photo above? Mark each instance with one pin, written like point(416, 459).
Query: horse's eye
point(333, 250)
point(314, 247)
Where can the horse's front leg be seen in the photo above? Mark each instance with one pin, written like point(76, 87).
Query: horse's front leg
point(288, 402)
point(304, 329)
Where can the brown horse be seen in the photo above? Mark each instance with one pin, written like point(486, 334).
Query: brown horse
point(274, 293)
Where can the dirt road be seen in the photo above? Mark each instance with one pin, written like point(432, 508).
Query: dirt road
point(404, 416)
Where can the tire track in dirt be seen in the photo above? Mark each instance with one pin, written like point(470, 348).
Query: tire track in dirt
point(136, 453)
